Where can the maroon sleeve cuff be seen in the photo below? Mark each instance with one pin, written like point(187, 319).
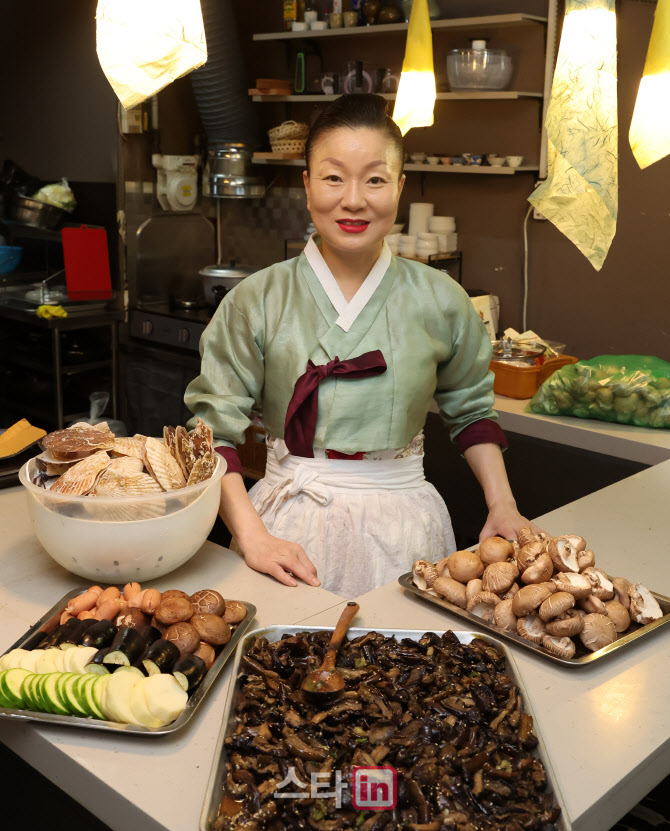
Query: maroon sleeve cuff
point(232, 459)
point(484, 431)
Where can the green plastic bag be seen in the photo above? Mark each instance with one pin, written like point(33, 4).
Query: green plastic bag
point(629, 389)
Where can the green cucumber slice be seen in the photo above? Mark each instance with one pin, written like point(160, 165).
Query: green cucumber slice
point(80, 693)
point(45, 704)
point(97, 692)
point(35, 698)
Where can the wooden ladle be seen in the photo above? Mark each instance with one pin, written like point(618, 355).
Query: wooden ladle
point(326, 681)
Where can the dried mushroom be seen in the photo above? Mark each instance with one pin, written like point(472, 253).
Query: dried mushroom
point(443, 714)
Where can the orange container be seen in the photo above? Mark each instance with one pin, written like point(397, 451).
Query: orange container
point(524, 381)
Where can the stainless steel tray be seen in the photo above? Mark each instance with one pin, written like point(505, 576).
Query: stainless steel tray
point(49, 622)
point(214, 790)
point(582, 655)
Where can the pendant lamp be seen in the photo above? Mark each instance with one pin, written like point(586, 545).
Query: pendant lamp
point(144, 45)
point(581, 193)
point(415, 99)
point(650, 128)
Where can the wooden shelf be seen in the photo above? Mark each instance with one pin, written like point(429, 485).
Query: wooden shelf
point(485, 170)
point(487, 95)
point(496, 21)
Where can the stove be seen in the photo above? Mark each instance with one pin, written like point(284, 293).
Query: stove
point(161, 323)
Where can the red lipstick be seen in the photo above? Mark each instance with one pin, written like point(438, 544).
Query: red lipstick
point(352, 226)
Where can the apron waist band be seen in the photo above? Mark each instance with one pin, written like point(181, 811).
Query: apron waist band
point(322, 478)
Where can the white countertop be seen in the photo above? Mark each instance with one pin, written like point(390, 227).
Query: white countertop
point(638, 444)
point(607, 726)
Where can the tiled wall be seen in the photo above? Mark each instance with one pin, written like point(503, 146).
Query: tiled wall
point(254, 230)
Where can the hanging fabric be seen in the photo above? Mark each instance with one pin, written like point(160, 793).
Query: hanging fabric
point(581, 193)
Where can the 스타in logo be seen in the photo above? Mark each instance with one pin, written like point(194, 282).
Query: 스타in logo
point(374, 788)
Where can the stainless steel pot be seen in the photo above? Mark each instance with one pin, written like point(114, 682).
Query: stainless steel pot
point(230, 173)
point(221, 274)
point(38, 214)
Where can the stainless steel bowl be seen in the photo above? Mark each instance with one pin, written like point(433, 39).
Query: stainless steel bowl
point(38, 214)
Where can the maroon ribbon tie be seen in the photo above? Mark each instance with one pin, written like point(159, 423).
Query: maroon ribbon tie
point(300, 424)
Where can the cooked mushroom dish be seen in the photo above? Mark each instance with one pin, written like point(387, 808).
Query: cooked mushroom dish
point(444, 715)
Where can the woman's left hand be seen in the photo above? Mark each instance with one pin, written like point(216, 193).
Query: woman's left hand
point(505, 521)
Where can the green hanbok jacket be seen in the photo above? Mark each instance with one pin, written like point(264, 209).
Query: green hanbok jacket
point(265, 330)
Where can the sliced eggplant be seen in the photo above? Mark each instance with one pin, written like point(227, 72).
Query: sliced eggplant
point(151, 635)
point(96, 665)
point(161, 656)
point(58, 634)
point(76, 633)
point(189, 671)
point(126, 648)
point(100, 634)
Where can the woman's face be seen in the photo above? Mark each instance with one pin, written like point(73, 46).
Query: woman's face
point(353, 188)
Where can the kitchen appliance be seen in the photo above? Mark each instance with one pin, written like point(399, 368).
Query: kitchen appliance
point(478, 68)
point(517, 354)
point(177, 181)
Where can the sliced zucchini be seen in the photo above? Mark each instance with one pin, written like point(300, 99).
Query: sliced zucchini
point(68, 692)
point(50, 694)
point(11, 686)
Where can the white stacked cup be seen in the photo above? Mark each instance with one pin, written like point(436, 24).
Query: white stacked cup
point(419, 216)
point(442, 226)
point(393, 241)
point(407, 245)
point(426, 245)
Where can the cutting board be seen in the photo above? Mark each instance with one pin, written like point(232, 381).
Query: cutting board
point(86, 260)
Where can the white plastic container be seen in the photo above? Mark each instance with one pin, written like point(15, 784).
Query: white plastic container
point(113, 540)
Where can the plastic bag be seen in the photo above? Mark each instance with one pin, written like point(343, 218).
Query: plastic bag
point(58, 194)
point(99, 401)
point(629, 389)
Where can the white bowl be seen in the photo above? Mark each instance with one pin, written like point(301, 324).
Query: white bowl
point(496, 161)
point(514, 161)
point(417, 158)
point(116, 540)
point(433, 159)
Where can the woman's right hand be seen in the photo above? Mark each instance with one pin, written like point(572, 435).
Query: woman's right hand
point(281, 559)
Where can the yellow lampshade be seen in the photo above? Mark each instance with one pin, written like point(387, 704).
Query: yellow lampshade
point(415, 99)
point(650, 128)
point(581, 193)
point(143, 45)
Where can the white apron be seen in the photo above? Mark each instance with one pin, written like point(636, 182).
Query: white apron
point(361, 522)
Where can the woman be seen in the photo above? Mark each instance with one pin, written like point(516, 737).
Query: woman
point(344, 349)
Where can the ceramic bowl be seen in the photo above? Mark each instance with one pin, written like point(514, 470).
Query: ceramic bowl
point(417, 158)
point(495, 161)
point(473, 158)
point(433, 159)
point(514, 161)
point(457, 160)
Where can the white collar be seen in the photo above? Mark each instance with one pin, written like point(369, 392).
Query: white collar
point(347, 311)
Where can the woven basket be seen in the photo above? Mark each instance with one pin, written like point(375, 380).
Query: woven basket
point(288, 130)
point(288, 146)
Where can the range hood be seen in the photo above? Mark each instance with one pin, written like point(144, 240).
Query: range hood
point(220, 90)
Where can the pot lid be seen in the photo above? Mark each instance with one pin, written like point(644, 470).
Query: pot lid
point(509, 350)
point(230, 269)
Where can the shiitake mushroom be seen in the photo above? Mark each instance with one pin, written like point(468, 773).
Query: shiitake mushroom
point(208, 600)
point(206, 652)
point(211, 629)
point(174, 610)
point(184, 636)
